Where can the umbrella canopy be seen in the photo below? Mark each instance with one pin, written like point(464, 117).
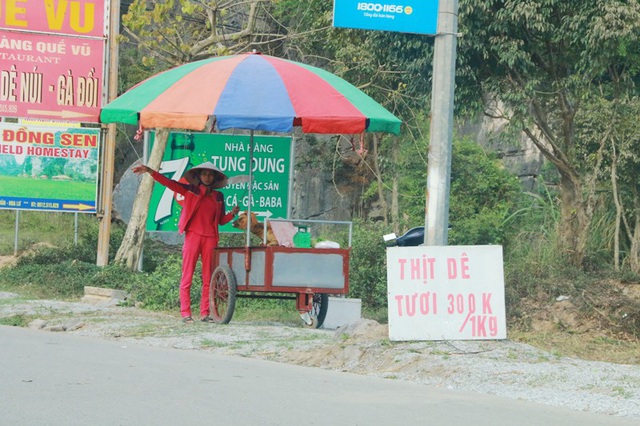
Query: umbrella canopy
point(254, 92)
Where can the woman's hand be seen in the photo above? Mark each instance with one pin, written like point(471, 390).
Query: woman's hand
point(235, 210)
point(141, 169)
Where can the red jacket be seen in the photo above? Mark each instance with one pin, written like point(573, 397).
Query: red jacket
point(192, 199)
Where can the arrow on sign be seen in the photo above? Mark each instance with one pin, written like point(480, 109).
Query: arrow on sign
point(267, 213)
point(79, 206)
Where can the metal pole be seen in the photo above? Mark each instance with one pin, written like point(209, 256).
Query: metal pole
point(15, 239)
point(250, 194)
point(108, 166)
point(247, 251)
point(441, 132)
point(75, 229)
point(292, 155)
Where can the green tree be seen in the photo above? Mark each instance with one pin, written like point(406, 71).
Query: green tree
point(176, 32)
point(615, 121)
point(541, 59)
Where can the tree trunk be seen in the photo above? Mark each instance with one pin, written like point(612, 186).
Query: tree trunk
point(575, 211)
point(380, 183)
point(634, 250)
point(578, 196)
point(577, 192)
point(574, 222)
point(619, 208)
point(132, 243)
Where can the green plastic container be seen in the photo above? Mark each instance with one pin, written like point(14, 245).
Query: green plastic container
point(302, 238)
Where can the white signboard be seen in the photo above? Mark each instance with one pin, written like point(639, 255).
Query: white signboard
point(446, 293)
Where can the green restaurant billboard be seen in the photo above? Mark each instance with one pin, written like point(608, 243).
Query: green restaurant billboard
point(230, 153)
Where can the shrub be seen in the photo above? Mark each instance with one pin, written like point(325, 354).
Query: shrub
point(367, 269)
point(88, 242)
point(159, 290)
point(483, 196)
point(49, 280)
point(49, 272)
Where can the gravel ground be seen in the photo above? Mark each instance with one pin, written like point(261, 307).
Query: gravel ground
point(503, 368)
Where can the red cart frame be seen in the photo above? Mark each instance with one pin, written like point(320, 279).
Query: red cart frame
point(309, 274)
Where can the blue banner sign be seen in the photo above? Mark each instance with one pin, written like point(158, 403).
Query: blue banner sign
point(406, 16)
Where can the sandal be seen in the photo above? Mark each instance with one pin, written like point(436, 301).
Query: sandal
point(187, 320)
point(207, 320)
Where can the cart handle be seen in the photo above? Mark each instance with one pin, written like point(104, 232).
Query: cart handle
point(327, 222)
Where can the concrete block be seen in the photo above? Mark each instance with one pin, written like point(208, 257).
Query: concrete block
point(342, 311)
point(103, 296)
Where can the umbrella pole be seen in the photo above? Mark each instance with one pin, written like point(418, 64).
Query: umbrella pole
point(247, 257)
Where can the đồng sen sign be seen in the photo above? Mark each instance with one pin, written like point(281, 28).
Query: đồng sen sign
point(48, 168)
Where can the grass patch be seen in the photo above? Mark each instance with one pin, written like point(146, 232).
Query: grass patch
point(144, 330)
point(47, 188)
point(621, 392)
point(271, 310)
point(12, 300)
point(38, 227)
point(15, 321)
point(209, 343)
point(582, 346)
point(31, 280)
point(380, 315)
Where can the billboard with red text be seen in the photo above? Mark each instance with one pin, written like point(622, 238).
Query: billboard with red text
point(446, 293)
point(77, 17)
point(52, 57)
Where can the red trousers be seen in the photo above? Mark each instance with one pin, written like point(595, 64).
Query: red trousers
point(195, 246)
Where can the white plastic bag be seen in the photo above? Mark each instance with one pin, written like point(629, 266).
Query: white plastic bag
point(326, 244)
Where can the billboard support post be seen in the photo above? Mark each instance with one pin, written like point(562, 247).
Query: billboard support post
point(108, 165)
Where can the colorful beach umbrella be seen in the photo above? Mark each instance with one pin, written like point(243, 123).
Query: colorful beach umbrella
point(250, 91)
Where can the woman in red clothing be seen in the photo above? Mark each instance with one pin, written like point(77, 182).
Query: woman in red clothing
point(203, 210)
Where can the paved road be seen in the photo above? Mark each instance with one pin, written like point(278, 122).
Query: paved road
point(56, 379)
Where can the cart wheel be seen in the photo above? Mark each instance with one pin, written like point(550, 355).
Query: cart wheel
point(319, 310)
point(222, 294)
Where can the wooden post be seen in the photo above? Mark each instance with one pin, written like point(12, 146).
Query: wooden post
point(108, 158)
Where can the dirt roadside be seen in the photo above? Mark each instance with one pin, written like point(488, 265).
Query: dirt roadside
point(504, 368)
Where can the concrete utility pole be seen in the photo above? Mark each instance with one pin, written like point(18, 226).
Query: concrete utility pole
point(441, 132)
point(108, 166)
